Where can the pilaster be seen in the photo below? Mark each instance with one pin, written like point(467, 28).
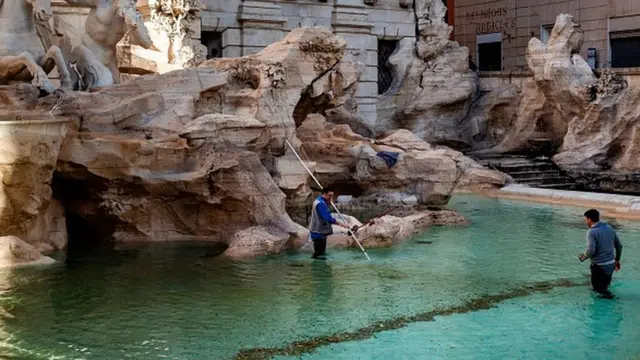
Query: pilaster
point(350, 20)
point(261, 24)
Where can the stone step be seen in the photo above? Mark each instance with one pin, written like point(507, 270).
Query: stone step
point(523, 168)
point(565, 186)
point(524, 175)
point(495, 156)
point(545, 180)
point(539, 172)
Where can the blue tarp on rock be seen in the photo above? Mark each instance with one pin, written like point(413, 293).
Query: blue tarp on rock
point(391, 158)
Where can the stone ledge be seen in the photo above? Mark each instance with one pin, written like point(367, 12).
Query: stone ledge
point(628, 203)
point(350, 17)
point(622, 71)
point(505, 73)
point(259, 12)
point(615, 182)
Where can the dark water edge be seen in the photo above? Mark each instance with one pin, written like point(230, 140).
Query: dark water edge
point(117, 252)
point(482, 303)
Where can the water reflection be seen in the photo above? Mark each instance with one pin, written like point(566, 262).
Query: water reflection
point(321, 282)
point(6, 306)
point(604, 317)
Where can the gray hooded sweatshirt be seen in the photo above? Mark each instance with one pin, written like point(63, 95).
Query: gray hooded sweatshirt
point(603, 246)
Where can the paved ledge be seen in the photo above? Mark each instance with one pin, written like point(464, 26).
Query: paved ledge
point(625, 206)
point(610, 205)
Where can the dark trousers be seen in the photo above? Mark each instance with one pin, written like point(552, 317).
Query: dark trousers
point(319, 246)
point(600, 279)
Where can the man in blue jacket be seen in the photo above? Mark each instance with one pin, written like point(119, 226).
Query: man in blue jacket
point(321, 223)
point(604, 249)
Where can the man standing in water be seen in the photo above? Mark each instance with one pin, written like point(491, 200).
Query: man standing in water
point(321, 220)
point(604, 249)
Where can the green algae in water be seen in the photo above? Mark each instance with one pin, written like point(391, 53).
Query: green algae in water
point(156, 303)
point(560, 324)
point(482, 303)
point(390, 273)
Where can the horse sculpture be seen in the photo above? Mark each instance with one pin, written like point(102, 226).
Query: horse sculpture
point(92, 54)
point(26, 53)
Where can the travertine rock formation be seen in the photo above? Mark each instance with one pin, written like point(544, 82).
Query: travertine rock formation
point(508, 119)
point(182, 155)
point(389, 230)
point(28, 153)
point(431, 174)
point(200, 154)
point(194, 170)
point(15, 252)
point(434, 87)
point(603, 113)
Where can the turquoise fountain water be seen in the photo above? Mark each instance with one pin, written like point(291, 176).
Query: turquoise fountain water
point(167, 301)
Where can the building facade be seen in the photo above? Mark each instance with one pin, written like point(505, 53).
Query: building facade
point(497, 31)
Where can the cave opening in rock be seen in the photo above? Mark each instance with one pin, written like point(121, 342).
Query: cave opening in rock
point(347, 188)
point(89, 228)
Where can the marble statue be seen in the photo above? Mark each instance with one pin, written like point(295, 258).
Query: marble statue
point(175, 18)
point(26, 50)
point(92, 53)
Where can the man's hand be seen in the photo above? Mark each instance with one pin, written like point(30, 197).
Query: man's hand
point(618, 266)
point(582, 257)
point(352, 231)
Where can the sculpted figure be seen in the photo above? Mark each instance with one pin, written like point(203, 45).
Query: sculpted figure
point(26, 53)
point(174, 18)
point(92, 54)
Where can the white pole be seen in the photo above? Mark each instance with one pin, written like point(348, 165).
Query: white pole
point(332, 204)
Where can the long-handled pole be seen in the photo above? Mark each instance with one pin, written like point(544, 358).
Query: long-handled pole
point(332, 204)
point(377, 217)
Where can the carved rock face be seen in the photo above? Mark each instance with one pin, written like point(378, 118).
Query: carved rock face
point(28, 155)
point(602, 114)
point(183, 154)
point(430, 174)
point(433, 87)
point(14, 251)
point(389, 230)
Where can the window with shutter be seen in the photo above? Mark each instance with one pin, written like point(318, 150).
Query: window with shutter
point(625, 49)
point(385, 75)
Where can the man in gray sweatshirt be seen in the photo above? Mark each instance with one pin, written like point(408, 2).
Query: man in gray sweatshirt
point(321, 223)
point(604, 249)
